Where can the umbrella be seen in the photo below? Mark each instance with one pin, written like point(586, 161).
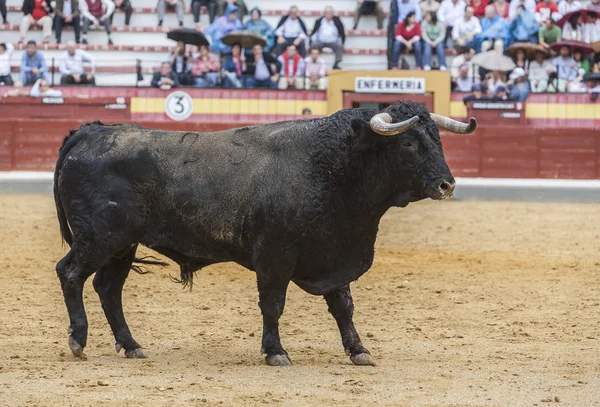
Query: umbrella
point(493, 61)
point(188, 36)
point(596, 46)
point(573, 45)
point(529, 48)
point(246, 38)
point(583, 12)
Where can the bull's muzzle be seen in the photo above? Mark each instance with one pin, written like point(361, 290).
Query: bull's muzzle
point(442, 189)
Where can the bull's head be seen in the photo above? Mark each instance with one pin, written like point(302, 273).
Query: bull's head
point(414, 150)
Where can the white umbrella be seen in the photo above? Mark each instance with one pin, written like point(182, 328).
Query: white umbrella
point(493, 61)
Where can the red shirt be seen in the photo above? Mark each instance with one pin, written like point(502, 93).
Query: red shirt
point(38, 10)
point(502, 13)
point(479, 9)
point(415, 31)
point(546, 10)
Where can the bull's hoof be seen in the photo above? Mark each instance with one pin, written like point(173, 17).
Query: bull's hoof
point(135, 354)
point(76, 348)
point(362, 359)
point(278, 360)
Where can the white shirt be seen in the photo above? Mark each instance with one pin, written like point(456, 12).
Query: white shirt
point(67, 8)
point(514, 4)
point(328, 32)
point(449, 12)
point(564, 7)
point(463, 28)
point(538, 71)
point(73, 64)
point(592, 32)
point(290, 29)
point(569, 33)
point(5, 60)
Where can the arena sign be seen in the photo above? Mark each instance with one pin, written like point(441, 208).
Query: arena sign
point(497, 105)
point(364, 84)
point(179, 105)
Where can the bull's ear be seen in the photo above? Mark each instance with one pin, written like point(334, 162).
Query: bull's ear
point(360, 127)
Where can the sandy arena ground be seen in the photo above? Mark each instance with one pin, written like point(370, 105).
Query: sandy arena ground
point(468, 304)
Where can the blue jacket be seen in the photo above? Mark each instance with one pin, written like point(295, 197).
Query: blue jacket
point(495, 28)
point(262, 28)
point(524, 27)
point(38, 61)
point(221, 26)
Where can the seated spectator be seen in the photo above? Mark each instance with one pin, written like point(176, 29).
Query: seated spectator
point(124, 6)
point(328, 32)
point(181, 64)
point(42, 89)
point(234, 66)
point(176, 5)
point(521, 60)
point(291, 30)
point(545, 10)
point(433, 34)
point(33, 65)
point(464, 82)
point(240, 4)
point(6, 51)
point(72, 67)
point(262, 69)
point(493, 80)
point(408, 38)
point(368, 8)
point(465, 29)
point(582, 63)
point(528, 5)
point(573, 28)
point(501, 7)
point(429, 6)
point(463, 59)
point(97, 13)
point(36, 12)
point(566, 6)
point(500, 94)
point(205, 69)
point(476, 95)
point(592, 28)
point(260, 26)
point(306, 113)
point(224, 25)
point(538, 72)
point(292, 69)
point(478, 7)
point(566, 68)
point(407, 6)
point(315, 71)
point(197, 5)
point(553, 84)
point(494, 31)
point(449, 12)
point(165, 78)
point(549, 33)
point(67, 12)
point(523, 28)
point(519, 85)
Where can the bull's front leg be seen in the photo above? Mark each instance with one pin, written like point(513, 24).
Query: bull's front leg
point(342, 308)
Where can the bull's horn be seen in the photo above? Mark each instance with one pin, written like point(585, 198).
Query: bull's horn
point(454, 126)
point(382, 124)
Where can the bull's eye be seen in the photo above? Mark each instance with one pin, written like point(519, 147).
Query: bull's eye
point(407, 144)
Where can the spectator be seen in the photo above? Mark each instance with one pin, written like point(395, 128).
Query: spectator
point(494, 31)
point(315, 71)
point(493, 80)
point(528, 5)
point(124, 6)
point(465, 29)
point(592, 28)
point(449, 12)
point(566, 6)
point(478, 7)
point(519, 85)
point(464, 82)
point(72, 66)
point(408, 38)
point(306, 113)
point(205, 69)
point(224, 25)
point(521, 61)
point(6, 51)
point(368, 8)
point(262, 69)
point(176, 5)
point(545, 10)
point(429, 6)
point(407, 6)
point(261, 27)
point(96, 12)
point(538, 72)
point(240, 4)
point(292, 69)
point(36, 12)
point(573, 28)
point(460, 60)
point(549, 33)
point(181, 64)
point(328, 32)
point(594, 5)
point(582, 63)
point(500, 94)
point(165, 78)
point(476, 95)
point(33, 65)
point(291, 30)
point(67, 12)
point(234, 65)
point(42, 89)
point(211, 5)
point(501, 8)
point(3, 11)
point(566, 68)
point(433, 33)
point(523, 28)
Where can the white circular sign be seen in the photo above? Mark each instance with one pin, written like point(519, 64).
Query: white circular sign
point(179, 105)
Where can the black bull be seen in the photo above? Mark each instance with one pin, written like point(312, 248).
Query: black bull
point(293, 201)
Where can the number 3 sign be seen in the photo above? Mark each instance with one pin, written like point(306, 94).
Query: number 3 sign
point(179, 105)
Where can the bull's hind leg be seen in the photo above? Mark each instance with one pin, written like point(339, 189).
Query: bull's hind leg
point(108, 283)
point(342, 308)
